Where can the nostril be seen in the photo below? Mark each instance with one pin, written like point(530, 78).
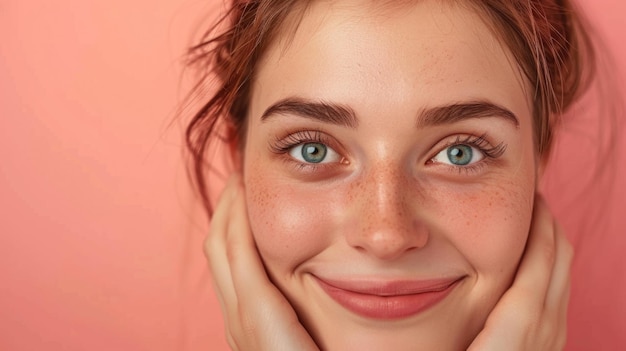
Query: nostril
point(387, 242)
point(420, 233)
point(384, 216)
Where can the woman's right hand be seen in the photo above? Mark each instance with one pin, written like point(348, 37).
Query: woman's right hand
point(256, 315)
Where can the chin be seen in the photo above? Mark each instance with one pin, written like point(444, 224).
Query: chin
point(450, 324)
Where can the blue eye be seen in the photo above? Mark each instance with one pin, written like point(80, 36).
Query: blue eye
point(459, 155)
point(314, 153)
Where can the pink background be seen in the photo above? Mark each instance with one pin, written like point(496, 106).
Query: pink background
point(100, 237)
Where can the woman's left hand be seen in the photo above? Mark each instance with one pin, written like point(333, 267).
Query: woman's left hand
point(532, 314)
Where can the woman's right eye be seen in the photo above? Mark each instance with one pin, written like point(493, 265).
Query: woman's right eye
point(312, 152)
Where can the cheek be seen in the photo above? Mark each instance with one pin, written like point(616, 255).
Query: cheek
point(289, 225)
point(490, 228)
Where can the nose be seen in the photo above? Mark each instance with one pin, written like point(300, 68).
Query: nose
point(386, 213)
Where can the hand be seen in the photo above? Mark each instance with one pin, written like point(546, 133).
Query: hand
point(256, 315)
point(532, 314)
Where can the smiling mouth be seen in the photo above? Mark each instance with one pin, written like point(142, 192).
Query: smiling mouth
point(388, 299)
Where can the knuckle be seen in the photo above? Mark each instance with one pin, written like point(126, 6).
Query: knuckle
point(528, 318)
point(552, 335)
point(236, 336)
point(231, 252)
point(230, 338)
point(548, 332)
point(248, 325)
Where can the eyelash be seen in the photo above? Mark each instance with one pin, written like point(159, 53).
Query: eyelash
point(479, 142)
point(282, 146)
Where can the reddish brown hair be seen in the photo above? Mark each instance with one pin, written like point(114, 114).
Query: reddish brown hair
point(545, 36)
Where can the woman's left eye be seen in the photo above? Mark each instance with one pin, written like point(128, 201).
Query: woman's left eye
point(459, 155)
point(312, 152)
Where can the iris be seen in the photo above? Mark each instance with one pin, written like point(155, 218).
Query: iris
point(314, 152)
point(460, 155)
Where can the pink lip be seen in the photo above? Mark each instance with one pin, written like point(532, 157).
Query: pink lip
point(388, 299)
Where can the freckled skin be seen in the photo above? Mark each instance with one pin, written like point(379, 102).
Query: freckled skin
point(388, 212)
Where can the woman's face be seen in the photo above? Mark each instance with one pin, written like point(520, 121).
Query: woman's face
point(390, 173)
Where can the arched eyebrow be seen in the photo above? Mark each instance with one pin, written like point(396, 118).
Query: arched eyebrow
point(345, 116)
point(322, 111)
point(452, 113)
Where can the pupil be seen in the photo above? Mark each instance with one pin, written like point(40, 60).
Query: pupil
point(460, 155)
point(313, 152)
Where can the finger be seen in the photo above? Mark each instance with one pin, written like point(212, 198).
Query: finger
point(241, 250)
point(561, 271)
point(520, 310)
point(219, 220)
point(259, 299)
point(249, 276)
point(562, 317)
point(523, 309)
point(557, 298)
point(534, 273)
point(215, 251)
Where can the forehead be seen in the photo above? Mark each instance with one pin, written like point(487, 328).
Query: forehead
point(426, 52)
